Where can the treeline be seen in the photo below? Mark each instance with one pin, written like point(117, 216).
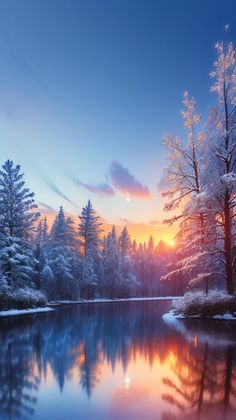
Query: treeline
point(72, 259)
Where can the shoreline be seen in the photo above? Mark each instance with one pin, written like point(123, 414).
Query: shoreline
point(29, 311)
point(171, 317)
point(50, 306)
point(103, 300)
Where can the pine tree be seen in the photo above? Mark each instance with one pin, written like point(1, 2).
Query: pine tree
point(89, 230)
point(110, 263)
point(48, 283)
point(61, 257)
point(89, 235)
point(40, 250)
point(124, 243)
point(127, 279)
point(17, 224)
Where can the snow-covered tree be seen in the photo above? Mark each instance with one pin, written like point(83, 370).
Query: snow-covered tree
point(110, 263)
point(124, 243)
point(203, 174)
point(89, 279)
point(17, 223)
point(221, 157)
point(48, 283)
point(40, 250)
point(90, 238)
point(185, 179)
point(89, 230)
point(61, 257)
point(127, 279)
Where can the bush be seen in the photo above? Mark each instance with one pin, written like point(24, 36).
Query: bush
point(21, 298)
point(217, 302)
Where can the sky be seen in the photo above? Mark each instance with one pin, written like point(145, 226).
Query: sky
point(88, 90)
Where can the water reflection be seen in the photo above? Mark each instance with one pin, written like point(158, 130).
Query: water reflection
point(113, 361)
point(205, 373)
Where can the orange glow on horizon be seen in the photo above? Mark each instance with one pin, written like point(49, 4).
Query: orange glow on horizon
point(140, 232)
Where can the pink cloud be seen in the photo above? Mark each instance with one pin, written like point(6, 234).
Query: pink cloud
point(103, 189)
point(126, 184)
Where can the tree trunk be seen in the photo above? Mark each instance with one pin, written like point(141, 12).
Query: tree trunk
point(228, 247)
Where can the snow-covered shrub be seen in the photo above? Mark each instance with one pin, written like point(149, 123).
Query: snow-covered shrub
point(20, 298)
point(198, 303)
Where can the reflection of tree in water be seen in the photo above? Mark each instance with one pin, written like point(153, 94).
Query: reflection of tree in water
point(76, 339)
point(205, 384)
point(89, 369)
point(90, 360)
point(18, 381)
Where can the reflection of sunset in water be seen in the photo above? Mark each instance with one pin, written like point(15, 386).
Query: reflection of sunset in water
point(116, 361)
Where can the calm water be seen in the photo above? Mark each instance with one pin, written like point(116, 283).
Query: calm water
point(116, 361)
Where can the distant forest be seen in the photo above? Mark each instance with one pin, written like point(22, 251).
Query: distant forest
point(72, 259)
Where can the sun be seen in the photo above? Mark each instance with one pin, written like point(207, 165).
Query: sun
point(171, 243)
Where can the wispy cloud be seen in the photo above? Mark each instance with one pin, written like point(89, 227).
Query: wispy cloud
point(126, 184)
point(103, 189)
point(21, 59)
point(57, 191)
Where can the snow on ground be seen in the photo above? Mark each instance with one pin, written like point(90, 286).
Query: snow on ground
point(170, 316)
point(197, 328)
point(225, 317)
point(14, 312)
point(138, 299)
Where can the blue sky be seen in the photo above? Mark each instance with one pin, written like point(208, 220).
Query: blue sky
point(87, 83)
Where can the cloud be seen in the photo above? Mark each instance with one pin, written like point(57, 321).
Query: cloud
point(125, 183)
point(21, 59)
point(103, 189)
point(56, 190)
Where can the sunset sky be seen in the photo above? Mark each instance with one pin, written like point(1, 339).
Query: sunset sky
point(88, 89)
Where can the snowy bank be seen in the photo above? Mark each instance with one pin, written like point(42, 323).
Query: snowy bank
point(217, 303)
point(14, 312)
point(197, 329)
point(171, 318)
point(21, 298)
point(103, 300)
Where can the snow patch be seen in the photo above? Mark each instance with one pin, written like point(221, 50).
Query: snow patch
point(14, 312)
point(103, 300)
point(196, 328)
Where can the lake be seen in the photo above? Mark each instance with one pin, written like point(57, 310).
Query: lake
point(116, 361)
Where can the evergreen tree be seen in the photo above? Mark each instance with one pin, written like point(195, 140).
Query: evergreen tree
point(89, 235)
point(40, 250)
point(127, 279)
point(124, 243)
point(110, 263)
point(89, 230)
point(17, 221)
point(60, 257)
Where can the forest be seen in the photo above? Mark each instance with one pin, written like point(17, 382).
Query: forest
point(73, 260)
